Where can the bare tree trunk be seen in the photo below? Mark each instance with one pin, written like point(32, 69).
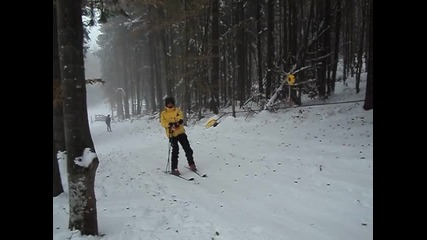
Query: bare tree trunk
point(359, 65)
point(58, 119)
point(82, 160)
point(138, 85)
point(215, 57)
point(241, 53)
point(126, 83)
point(321, 73)
point(119, 100)
point(327, 46)
point(293, 32)
point(153, 89)
point(158, 73)
point(270, 47)
point(337, 44)
point(185, 69)
point(302, 54)
point(224, 76)
point(369, 96)
point(259, 47)
point(286, 38)
point(348, 39)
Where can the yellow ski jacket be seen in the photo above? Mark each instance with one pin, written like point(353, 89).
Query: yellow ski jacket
point(172, 115)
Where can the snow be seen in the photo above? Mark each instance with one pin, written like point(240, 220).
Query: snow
point(299, 173)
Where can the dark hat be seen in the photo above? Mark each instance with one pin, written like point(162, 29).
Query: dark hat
point(170, 100)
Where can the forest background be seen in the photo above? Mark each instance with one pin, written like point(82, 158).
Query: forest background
point(210, 55)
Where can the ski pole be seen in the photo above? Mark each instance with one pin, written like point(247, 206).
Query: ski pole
point(169, 151)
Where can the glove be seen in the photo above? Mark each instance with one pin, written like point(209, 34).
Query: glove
point(179, 123)
point(173, 125)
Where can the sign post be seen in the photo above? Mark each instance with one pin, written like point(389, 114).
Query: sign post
point(291, 81)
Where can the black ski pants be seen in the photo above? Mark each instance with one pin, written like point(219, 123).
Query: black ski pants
point(183, 140)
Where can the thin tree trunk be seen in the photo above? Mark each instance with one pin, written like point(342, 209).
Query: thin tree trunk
point(369, 95)
point(321, 73)
point(82, 160)
point(152, 89)
point(327, 46)
point(286, 38)
point(337, 44)
point(215, 57)
point(138, 84)
point(293, 32)
point(187, 92)
point(270, 47)
point(58, 120)
point(360, 45)
point(259, 47)
point(241, 54)
point(157, 72)
point(126, 83)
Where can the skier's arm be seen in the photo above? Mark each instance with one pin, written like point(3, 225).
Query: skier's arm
point(163, 121)
point(179, 117)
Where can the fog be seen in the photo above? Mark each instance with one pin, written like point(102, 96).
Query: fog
point(93, 70)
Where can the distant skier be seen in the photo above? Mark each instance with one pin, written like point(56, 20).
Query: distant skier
point(171, 119)
point(108, 122)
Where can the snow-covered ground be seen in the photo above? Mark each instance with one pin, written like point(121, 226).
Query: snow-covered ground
point(303, 173)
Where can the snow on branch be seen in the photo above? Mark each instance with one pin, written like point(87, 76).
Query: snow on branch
point(94, 80)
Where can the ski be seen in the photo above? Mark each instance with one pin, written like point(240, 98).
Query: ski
point(184, 178)
point(199, 174)
point(188, 179)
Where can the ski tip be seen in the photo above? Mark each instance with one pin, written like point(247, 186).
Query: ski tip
point(190, 179)
point(205, 175)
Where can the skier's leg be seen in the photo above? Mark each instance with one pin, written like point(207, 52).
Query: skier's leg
point(175, 152)
point(183, 140)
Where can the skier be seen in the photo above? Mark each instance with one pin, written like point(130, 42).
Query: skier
point(171, 119)
point(108, 122)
